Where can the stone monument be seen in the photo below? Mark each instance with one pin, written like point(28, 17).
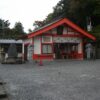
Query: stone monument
point(12, 53)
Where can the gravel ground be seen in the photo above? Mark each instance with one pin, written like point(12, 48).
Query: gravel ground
point(56, 80)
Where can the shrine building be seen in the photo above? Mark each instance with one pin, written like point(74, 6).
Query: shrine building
point(61, 39)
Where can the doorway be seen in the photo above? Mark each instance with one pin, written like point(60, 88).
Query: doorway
point(65, 50)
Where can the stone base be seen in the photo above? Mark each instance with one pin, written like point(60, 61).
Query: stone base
point(13, 61)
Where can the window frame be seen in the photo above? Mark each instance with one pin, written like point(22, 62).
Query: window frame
point(47, 48)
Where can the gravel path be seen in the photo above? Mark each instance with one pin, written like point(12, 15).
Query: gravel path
point(56, 80)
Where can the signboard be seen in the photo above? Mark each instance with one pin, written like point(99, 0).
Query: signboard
point(66, 40)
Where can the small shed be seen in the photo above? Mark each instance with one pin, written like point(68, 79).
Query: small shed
point(4, 45)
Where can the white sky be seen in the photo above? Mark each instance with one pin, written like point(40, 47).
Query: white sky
point(25, 11)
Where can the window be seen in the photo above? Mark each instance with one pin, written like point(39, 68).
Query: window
point(60, 30)
point(46, 48)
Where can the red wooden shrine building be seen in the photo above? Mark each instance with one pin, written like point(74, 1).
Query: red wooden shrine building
point(61, 39)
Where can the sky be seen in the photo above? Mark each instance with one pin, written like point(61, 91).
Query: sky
point(25, 11)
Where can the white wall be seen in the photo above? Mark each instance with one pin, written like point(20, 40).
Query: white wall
point(80, 47)
point(65, 30)
point(54, 31)
point(37, 45)
point(46, 39)
point(30, 51)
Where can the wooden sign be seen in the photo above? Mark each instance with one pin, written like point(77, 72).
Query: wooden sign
point(66, 40)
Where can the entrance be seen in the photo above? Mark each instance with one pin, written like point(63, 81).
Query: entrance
point(65, 50)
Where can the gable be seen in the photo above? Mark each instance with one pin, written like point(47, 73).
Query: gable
point(65, 31)
point(58, 23)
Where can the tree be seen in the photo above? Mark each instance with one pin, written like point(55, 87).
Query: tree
point(49, 17)
point(38, 24)
point(81, 11)
point(4, 26)
point(7, 33)
point(96, 32)
point(18, 30)
point(97, 8)
point(77, 10)
point(30, 30)
point(60, 10)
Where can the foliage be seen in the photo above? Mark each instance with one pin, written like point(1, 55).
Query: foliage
point(18, 30)
point(7, 33)
point(4, 26)
point(96, 32)
point(38, 24)
point(79, 11)
point(97, 8)
point(30, 30)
